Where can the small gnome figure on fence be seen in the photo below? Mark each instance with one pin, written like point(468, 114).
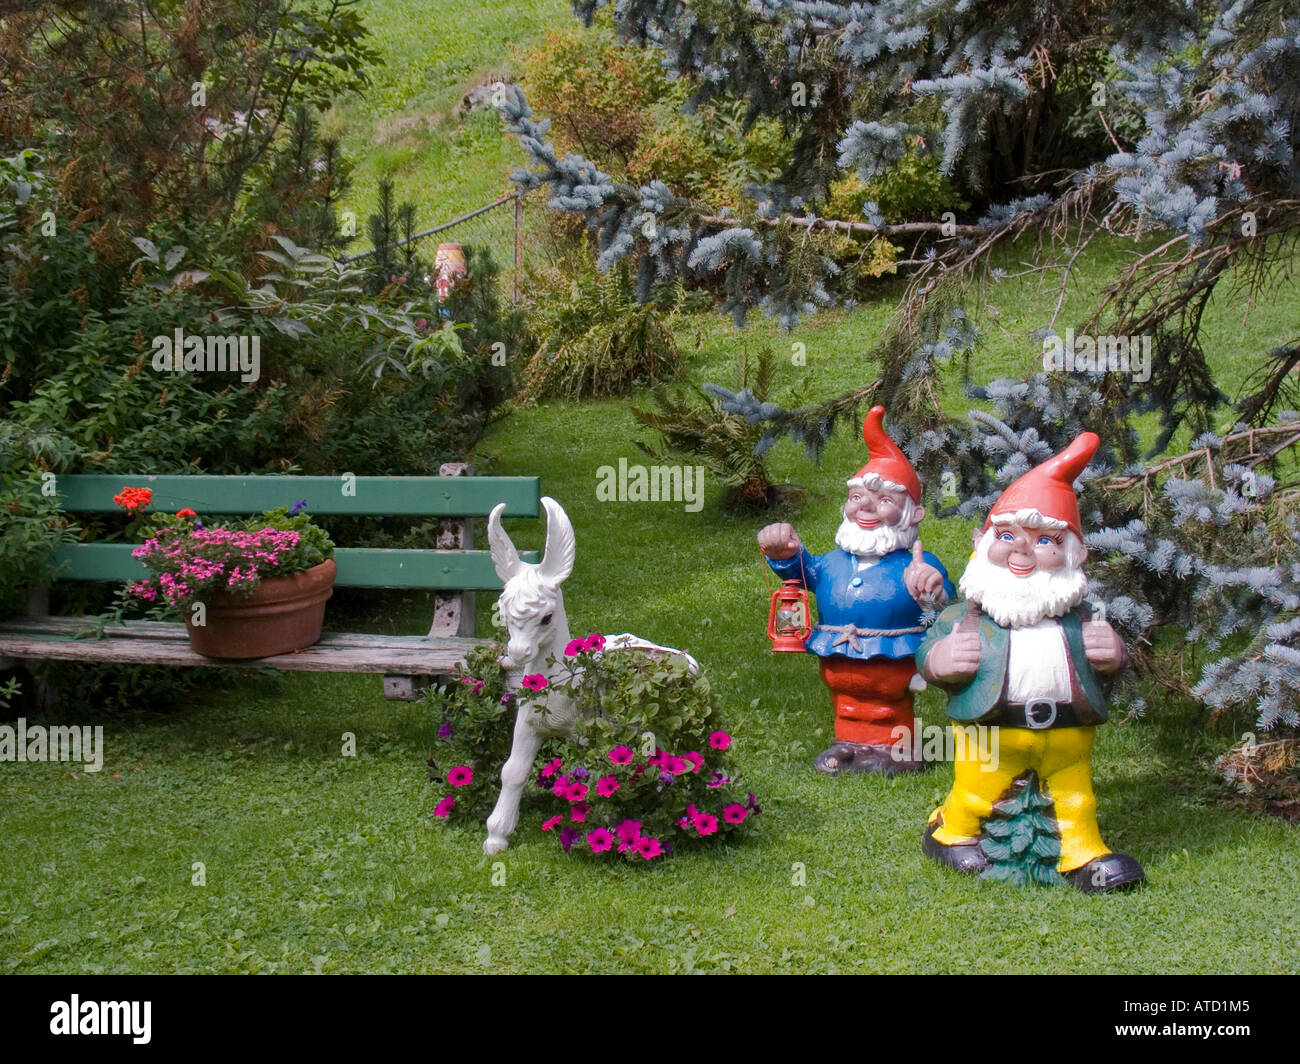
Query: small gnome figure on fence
point(449, 270)
point(871, 594)
point(1023, 657)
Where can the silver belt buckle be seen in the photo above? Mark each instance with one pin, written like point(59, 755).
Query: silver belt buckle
point(1031, 715)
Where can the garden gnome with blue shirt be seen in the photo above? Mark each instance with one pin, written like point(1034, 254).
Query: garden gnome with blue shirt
point(873, 593)
point(1022, 656)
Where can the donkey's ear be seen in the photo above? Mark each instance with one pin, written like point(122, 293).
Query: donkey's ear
point(505, 559)
point(557, 562)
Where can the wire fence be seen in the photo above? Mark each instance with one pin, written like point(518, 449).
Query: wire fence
point(497, 226)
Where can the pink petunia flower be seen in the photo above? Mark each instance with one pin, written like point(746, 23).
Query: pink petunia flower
point(719, 740)
point(553, 822)
point(676, 765)
point(444, 807)
point(600, 840)
point(735, 813)
point(628, 831)
point(578, 813)
point(706, 824)
point(575, 647)
point(594, 641)
point(647, 847)
point(622, 755)
point(551, 768)
point(537, 682)
point(460, 776)
point(560, 786)
point(576, 792)
point(606, 786)
point(695, 759)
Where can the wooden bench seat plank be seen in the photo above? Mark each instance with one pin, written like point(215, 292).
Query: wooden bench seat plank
point(71, 626)
point(373, 497)
point(434, 570)
point(336, 652)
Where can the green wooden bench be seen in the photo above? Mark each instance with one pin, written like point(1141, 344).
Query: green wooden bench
point(452, 569)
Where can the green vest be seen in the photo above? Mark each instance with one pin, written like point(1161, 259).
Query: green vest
point(980, 697)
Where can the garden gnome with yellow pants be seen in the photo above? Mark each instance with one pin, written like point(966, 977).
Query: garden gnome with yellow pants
point(1020, 655)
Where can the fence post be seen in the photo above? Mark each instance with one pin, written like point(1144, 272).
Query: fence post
point(519, 242)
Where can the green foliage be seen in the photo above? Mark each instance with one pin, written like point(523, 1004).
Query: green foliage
point(914, 189)
point(31, 529)
point(394, 269)
point(475, 731)
point(599, 340)
point(692, 426)
point(1020, 837)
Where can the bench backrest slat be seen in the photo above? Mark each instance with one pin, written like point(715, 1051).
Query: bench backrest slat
point(469, 570)
point(367, 496)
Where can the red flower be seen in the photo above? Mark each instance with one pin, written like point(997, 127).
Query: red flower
point(187, 512)
point(133, 498)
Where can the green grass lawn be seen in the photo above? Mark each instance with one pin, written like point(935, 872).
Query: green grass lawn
point(313, 861)
point(319, 862)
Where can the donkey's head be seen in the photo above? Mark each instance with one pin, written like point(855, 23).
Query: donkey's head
point(531, 603)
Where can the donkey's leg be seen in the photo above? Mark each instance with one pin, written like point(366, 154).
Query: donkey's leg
point(514, 774)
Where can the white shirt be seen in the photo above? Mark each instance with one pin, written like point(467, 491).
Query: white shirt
point(1038, 665)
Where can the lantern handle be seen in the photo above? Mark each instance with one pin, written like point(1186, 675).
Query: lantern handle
point(767, 582)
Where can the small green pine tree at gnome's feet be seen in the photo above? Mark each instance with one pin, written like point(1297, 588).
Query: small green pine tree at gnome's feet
point(1020, 838)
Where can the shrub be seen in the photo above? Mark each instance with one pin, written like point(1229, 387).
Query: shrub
point(600, 341)
point(694, 427)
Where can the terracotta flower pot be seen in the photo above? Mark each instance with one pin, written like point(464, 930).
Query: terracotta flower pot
point(283, 615)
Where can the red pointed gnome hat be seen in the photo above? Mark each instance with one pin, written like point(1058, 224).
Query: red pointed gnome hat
point(1049, 488)
point(886, 460)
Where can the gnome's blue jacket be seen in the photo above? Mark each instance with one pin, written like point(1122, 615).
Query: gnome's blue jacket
point(873, 598)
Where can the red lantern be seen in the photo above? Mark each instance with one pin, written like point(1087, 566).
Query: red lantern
point(788, 621)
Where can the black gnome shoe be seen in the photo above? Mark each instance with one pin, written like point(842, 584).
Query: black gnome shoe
point(843, 757)
point(964, 857)
point(1110, 871)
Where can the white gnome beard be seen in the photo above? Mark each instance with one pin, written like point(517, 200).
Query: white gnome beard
point(1020, 601)
point(876, 542)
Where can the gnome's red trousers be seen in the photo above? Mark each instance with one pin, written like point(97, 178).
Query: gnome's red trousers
point(871, 698)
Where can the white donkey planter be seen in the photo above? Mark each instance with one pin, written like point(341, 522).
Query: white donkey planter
point(532, 607)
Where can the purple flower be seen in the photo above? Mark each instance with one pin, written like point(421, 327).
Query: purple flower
point(568, 837)
point(296, 507)
point(579, 773)
point(666, 778)
point(445, 731)
point(753, 804)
